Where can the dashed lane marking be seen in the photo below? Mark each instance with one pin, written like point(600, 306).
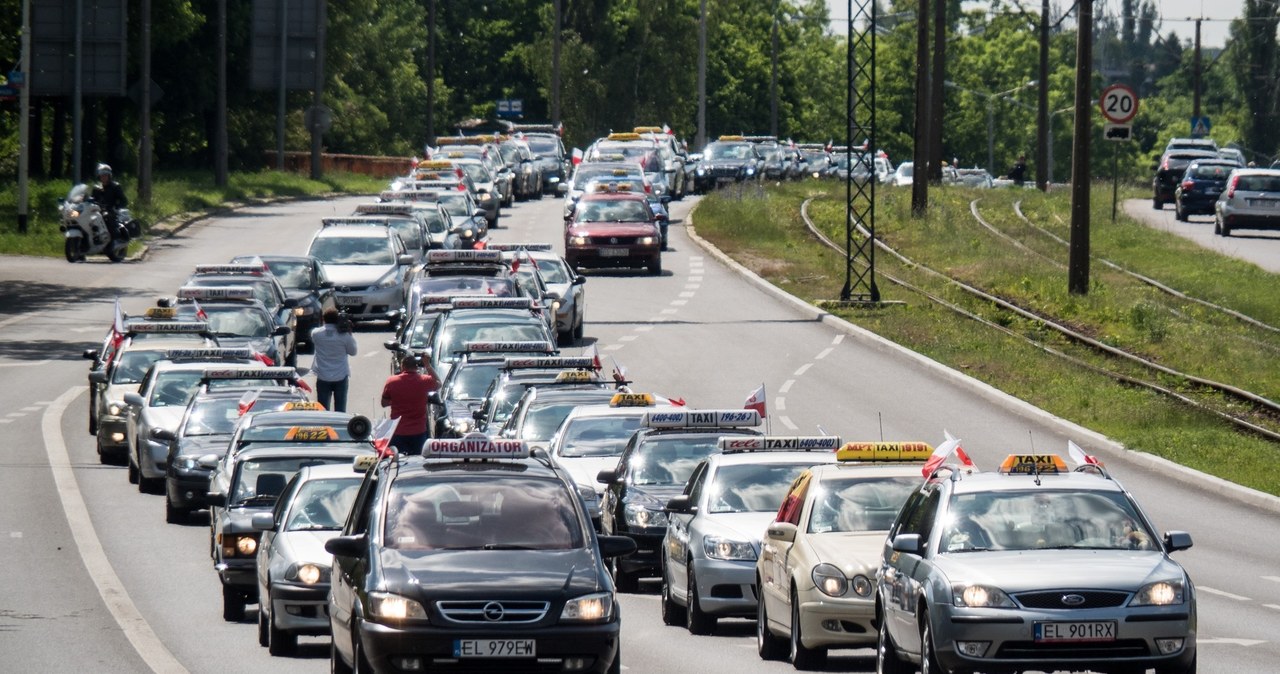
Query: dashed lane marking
point(803, 369)
point(781, 401)
point(6, 421)
point(15, 534)
point(1222, 593)
point(1274, 607)
point(628, 338)
point(695, 279)
point(824, 353)
point(839, 338)
point(16, 414)
point(679, 303)
point(25, 364)
point(1274, 579)
point(687, 294)
point(29, 409)
point(786, 386)
point(668, 311)
point(644, 328)
point(613, 347)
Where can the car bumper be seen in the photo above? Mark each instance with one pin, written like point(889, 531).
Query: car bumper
point(155, 461)
point(837, 622)
point(301, 609)
point(1241, 220)
point(371, 305)
point(238, 573)
point(635, 255)
point(188, 489)
point(1197, 203)
point(1012, 646)
point(112, 433)
point(726, 588)
point(387, 648)
point(646, 559)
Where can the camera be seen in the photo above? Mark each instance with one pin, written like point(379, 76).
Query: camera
point(345, 325)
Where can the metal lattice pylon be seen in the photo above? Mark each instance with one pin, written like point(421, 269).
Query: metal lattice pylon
point(860, 196)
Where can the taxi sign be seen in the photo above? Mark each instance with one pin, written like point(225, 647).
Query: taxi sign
point(436, 164)
point(448, 256)
point(613, 186)
point(311, 434)
point(507, 347)
point(701, 419)
point(648, 129)
point(493, 302)
point(166, 327)
point(550, 363)
point(161, 312)
point(457, 155)
point(250, 373)
point(776, 443)
point(366, 220)
point(364, 462)
point(464, 140)
point(885, 451)
point(476, 446)
point(620, 172)
point(623, 136)
point(409, 195)
point(302, 406)
point(1033, 464)
point(514, 247)
point(431, 300)
point(576, 377)
point(385, 209)
point(632, 400)
point(208, 354)
point(250, 269)
point(215, 293)
point(732, 138)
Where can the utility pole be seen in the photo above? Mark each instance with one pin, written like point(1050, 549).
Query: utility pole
point(24, 120)
point(935, 91)
point(1043, 156)
point(77, 111)
point(1078, 257)
point(1196, 107)
point(701, 138)
point(919, 175)
point(220, 132)
point(773, 76)
point(431, 72)
point(317, 103)
point(144, 143)
point(555, 63)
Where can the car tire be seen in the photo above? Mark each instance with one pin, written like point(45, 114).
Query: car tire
point(672, 613)
point(655, 267)
point(1217, 224)
point(93, 421)
point(292, 359)
point(1179, 213)
point(175, 515)
point(625, 581)
point(336, 665)
point(1178, 669)
point(134, 472)
point(150, 485)
point(264, 638)
point(1225, 229)
point(1157, 204)
point(697, 620)
point(280, 642)
point(578, 330)
point(768, 645)
point(803, 658)
point(615, 667)
point(887, 660)
point(928, 655)
point(232, 605)
point(359, 665)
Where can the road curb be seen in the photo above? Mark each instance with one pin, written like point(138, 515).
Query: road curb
point(1096, 441)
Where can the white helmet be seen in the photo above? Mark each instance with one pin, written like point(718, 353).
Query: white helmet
point(104, 168)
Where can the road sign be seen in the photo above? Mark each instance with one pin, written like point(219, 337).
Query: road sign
point(1120, 132)
point(1200, 127)
point(1119, 103)
point(8, 91)
point(510, 107)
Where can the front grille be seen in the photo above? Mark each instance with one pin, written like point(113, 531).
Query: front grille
point(613, 240)
point(498, 666)
point(1055, 600)
point(489, 612)
point(1067, 652)
point(725, 171)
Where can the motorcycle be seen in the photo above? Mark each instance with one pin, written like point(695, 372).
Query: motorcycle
point(464, 237)
point(86, 231)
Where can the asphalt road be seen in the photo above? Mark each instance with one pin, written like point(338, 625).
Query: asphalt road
point(1261, 247)
point(97, 582)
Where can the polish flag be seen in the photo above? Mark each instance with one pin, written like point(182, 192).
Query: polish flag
point(1079, 457)
point(260, 356)
point(381, 436)
point(756, 401)
point(594, 355)
point(200, 314)
point(577, 156)
point(619, 371)
point(667, 130)
point(302, 384)
point(247, 401)
point(944, 452)
point(678, 402)
point(117, 326)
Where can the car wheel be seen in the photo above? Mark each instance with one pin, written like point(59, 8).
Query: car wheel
point(625, 581)
point(336, 665)
point(264, 639)
point(1179, 213)
point(887, 660)
point(672, 613)
point(71, 249)
point(232, 605)
point(616, 666)
point(928, 656)
point(698, 621)
point(1226, 229)
point(803, 657)
point(1157, 204)
point(149, 485)
point(359, 665)
point(1178, 669)
point(134, 473)
point(93, 421)
point(280, 641)
point(578, 329)
point(768, 644)
point(174, 514)
point(655, 267)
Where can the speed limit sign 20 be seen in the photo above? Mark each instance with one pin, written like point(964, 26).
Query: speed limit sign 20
point(1119, 104)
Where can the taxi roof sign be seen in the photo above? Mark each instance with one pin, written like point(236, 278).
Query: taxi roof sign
point(272, 373)
point(357, 220)
point(303, 406)
point(476, 446)
point(884, 451)
point(648, 129)
point(508, 347)
point(777, 443)
point(435, 164)
point(469, 302)
point(512, 247)
point(624, 136)
point(166, 327)
point(576, 377)
point(1033, 464)
point(624, 399)
point(702, 419)
point(385, 209)
point(732, 137)
point(215, 293)
point(431, 300)
point(213, 353)
point(550, 363)
point(465, 140)
point(364, 462)
point(311, 434)
point(409, 195)
point(452, 256)
point(161, 312)
point(231, 269)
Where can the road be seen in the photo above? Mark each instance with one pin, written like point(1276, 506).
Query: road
point(1260, 247)
point(99, 583)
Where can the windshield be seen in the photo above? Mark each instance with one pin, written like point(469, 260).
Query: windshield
point(174, 389)
point(546, 147)
point(669, 461)
point(261, 481)
point(292, 273)
point(492, 512)
point(1044, 518)
point(322, 505)
point(614, 211)
point(453, 336)
point(598, 436)
point(553, 270)
point(477, 172)
point(241, 321)
point(216, 416)
point(455, 204)
point(1211, 172)
point(541, 421)
point(471, 382)
point(133, 365)
point(352, 250)
point(859, 504)
point(410, 232)
point(1258, 183)
point(435, 221)
point(905, 170)
point(586, 173)
point(751, 488)
point(727, 151)
point(421, 330)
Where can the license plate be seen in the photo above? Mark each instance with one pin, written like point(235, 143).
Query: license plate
point(349, 301)
point(494, 648)
point(1099, 630)
point(614, 252)
point(1264, 203)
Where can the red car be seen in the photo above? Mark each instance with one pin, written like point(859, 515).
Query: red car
point(613, 229)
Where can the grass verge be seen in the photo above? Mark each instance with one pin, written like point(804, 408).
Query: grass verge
point(762, 229)
point(172, 193)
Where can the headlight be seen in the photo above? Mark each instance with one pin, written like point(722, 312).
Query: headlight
point(387, 606)
point(716, 547)
point(646, 241)
point(586, 492)
point(555, 305)
point(830, 580)
point(239, 545)
point(751, 171)
point(640, 516)
point(388, 281)
point(980, 596)
point(300, 311)
point(468, 233)
point(701, 171)
point(307, 574)
point(1162, 593)
point(462, 425)
point(186, 463)
point(593, 608)
point(527, 168)
point(115, 409)
point(578, 240)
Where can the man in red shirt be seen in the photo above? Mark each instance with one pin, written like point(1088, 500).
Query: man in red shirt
point(406, 395)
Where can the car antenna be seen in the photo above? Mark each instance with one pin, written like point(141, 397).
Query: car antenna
point(1032, 439)
point(880, 418)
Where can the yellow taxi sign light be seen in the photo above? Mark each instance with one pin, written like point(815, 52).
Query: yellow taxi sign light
point(576, 376)
point(303, 406)
point(456, 155)
point(884, 451)
point(435, 164)
point(632, 400)
point(624, 136)
point(364, 462)
point(1033, 464)
point(161, 312)
point(311, 433)
point(732, 138)
point(648, 129)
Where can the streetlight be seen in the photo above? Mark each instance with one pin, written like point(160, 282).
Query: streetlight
point(991, 120)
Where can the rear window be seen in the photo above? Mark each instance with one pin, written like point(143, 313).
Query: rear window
point(1258, 183)
point(1211, 172)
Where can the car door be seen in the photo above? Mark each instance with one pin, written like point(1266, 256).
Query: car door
point(905, 574)
point(679, 534)
point(775, 588)
point(348, 574)
point(266, 547)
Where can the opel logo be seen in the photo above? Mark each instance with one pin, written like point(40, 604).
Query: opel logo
point(493, 611)
point(613, 239)
point(1067, 600)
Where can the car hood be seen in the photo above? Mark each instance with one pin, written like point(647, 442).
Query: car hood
point(564, 290)
point(854, 552)
point(305, 546)
point(612, 229)
point(199, 445)
point(1017, 571)
point(474, 572)
point(300, 294)
point(163, 417)
point(357, 275)
point(653, 496)
point(748, 527)
point(584, 469)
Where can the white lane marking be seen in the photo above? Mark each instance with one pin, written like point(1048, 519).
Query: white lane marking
point(687, 294)
point(613, 347)
point(803, 369)
point(371, 354)
point(84, 329)
point(823, 353)
point(10, 321)
point(839, 338)
point(28, 364)
point(679, 303)
point(16, 414)
point(786, 385)
point(781, 402)
point(1226, 640)
point(112, 591)
point(668, 311)
point(6, 421)
point(644, 328)
point(1275, 607)
point(695, 279)
point(1222, 593)
point(786, 421)
point(15, 534)
point(29, 409)
point(1274, 579)
point(695, 259)
point(692, 286)
point(43, 403)
point(628, 338)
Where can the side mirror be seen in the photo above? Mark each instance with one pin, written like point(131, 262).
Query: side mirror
point(208, 461)
point(281, 331)
point(681, 504)
point(290, 303)
point(326, 285)
point(133, 399)
point(434, 398)
point(479, 414)
point(665, 199)
point(562, 188)
point(607, 476)
point(89, 354)
point(347, 546)
point(1177, 540)
point(552, 295)
point(163, 435)
point(616, 546)
point(216, 499)
point(404, 260)
point(263, 522)
point(98, 377)
point(579, 280)
point(391, 345)
point(908, 543)
point(782, 531)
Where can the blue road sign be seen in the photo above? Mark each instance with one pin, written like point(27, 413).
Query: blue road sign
point(1200, 127)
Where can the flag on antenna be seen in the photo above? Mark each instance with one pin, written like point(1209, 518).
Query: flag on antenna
point(1080, 457)
point(756, 401)
point(944, 452)
point(381, 436)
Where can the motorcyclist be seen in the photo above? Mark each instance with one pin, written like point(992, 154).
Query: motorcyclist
point(109, 196)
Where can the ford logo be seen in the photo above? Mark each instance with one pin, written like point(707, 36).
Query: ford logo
point(1067, 600)
point(493, 611)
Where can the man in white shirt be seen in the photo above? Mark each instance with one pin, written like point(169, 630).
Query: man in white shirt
point(333, 345)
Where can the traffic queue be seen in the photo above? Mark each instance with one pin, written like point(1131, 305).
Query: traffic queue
point(549, 483)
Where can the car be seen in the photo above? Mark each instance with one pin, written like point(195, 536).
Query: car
point(633, 185)
point(613, 230)
point(487, 150)
point(1032, 567)
point(588, 172)
point(449, 273)
point(549, 155)
point(563, 283)
point(715, 526)
point(815, 576)
point(1251, 201)
point(427, 573)
point(507, 321)
point(292, 565)
point(266, 289)
point(489, 186)
point(1169, 172)
point(727, 160)
point(674, 159)
point(237, 320)
point(540, 410)
point(368, 264)
point(1200, 186)
point(408, 221)
point(975, 177)
point(453, 173)
point(304, 281)
point(1234, 155)
point(904, 174)
point(451, 408)
point(519, 374)
point(466, 224)
point(1206, 144)
point(816, 158)
point(273, 446)
point(654, 467)
point(526, 180)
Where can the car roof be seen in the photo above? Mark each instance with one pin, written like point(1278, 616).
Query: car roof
point(843, 469)
point(200, 366)
point(411, 466)
point(302, 449)
point(356, 231)
point(1257, 172)
point(597, 411)
point(237, 392)
point(300, 418)
point(1072, 480)
point(329, 471)
point(754, 458)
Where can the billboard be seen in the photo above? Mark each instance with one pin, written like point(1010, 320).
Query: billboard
point(103, 47)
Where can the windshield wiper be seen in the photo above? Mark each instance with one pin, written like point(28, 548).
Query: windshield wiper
point(259, 500)
point(316, 527)
point(507, 546)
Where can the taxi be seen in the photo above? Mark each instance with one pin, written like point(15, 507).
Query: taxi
point(587, 172)
point(459, 272)
point(540, 410)
point(476, 556)
point(368, 265)
point(451, 408)
point(266, 289)
point(549, 155)
point(654, 467)
point(563, 283)
point(304, 280)
point(613, 229)
point(464, 221)
point(715, 526)
point(496, 320)
point(522, 373)
point(408, 221)
point(1036, 566)
point(238, 319)
point(729, 159)
point(817, 566)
